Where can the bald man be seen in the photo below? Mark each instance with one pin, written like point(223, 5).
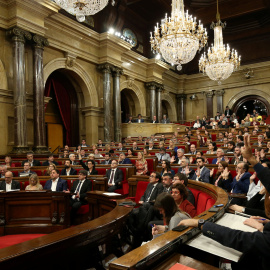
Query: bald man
point(9, 184)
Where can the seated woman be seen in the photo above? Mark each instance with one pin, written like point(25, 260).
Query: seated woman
point(172, 147)
point(34, 183)
point(49, 169)
point(180, 194)
point(130, 153)
point(146, 152)
point(8, 162)
point(212, 148)
point(91, 165)
point(223, 177)
point(172, 215)
point(166, 167)
point(141, 165)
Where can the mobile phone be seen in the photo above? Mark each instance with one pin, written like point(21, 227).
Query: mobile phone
point(213, 209)
point(180, 228)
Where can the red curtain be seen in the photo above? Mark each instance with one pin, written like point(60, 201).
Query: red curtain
point(63, 101)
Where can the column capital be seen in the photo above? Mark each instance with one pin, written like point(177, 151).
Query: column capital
point(116, 71)
point(209, 94)
point(40, 41)
point(219, 92)
point(18, 34)
point(154, 86)
point(105, 67)
point(181, 96)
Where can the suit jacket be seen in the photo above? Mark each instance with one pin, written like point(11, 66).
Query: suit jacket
point(190, 197)
point(204, 177)
point(125, 161)
point(87, 186)
point(156, 191)
point(214, 161)
point(190, 175)
point(14, 185)
point(165, 122)
point(152, 121)
point(47, 163)
point(104, 162)
point(242, 185)
point(122, 149)
point(230, 112)
point(233, 159)
point(154, 147)
point(118, 176)
point(25, 172)
point(35, 162)
point(94, 172)
point(72, 172)
point(61, 185)
point(166, 156)
point(137, 120)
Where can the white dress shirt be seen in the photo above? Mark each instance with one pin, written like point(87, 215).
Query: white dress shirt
point(8, 186)
point(54, 184)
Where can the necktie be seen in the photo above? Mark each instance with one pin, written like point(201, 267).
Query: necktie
point(161, 157)
point(149, 194)
point(78, 187)
point(112, 176)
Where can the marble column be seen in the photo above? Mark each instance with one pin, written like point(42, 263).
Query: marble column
point(209, 104)
point(181, 107)
point(152, 99)
point(19, 37)
point(117, 72)
point(106, 70)
point(219, 94)
point(39, 112)
point(159, 102)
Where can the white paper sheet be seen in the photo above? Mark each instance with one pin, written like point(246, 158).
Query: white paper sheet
point(111, 194)
point(211, 246)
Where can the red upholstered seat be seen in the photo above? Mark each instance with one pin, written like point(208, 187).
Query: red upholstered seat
point(15, 173)
point(84, 209)
point(9, 240)
point(150, 162)
point(141, 187)
point(214, 137)
point(133, 161)
point(38, 172)
point(17, 164)
point(202, 202)
point(101, 171)
point(196, 194)
point(125, 188)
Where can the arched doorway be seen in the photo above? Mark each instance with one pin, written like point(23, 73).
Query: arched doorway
point(61, 115)
point(165, 110)
point(247, 104)
point(129, 104)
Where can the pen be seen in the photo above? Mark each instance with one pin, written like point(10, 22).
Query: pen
point(262, 219)
point(202, 215)
point(218, 205)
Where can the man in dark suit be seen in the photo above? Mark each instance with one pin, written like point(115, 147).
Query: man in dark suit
point(30, 159)
point(220, 156)
point(237, 156)
point(100, 143)
point(165, 120)
point(139, 120)
point(83, 144)
point(80, 187)
point(56, 183)
point(107, 160)
point(129, 120)
point(9, 184)
point(50, 161)
point(68, 169)
point(121, 147)
point(202, 173)
point(135, 146)
point(151, 146)
point(154, 188)
point(154, 121)
point(114, 176)
point(228, 112)
point(26, 170)
point(185, 168)
point(123, 159)
point(72, 158)
point(167, 182)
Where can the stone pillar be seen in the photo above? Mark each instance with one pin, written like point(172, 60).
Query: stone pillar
point(20, 118)
point(181, 108)
point(209, 103)
point(159, 103)
point(106, 70)
point(219, 94)
point(117, 72)
point(39, 112)
point(152, 99)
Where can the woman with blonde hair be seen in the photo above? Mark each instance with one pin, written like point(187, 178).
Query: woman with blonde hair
point(49, 169)
point(141, 164)
point(34, 183)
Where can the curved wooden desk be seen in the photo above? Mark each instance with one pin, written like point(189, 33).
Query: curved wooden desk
point(70, 248)
point(147, 255)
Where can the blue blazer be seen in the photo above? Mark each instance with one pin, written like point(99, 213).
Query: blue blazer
point(242, 185)
point(214, 161)
point(125, 161)
point(204, 177)
point(61, 185)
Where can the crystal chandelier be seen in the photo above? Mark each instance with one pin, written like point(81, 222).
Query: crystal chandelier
point(82, 8)
point(220, 62)
point(178, 38)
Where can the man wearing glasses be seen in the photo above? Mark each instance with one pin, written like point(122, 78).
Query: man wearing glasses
point(9, 184)
point(114, 176)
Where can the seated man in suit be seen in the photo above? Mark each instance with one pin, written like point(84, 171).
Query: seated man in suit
point(72, 158)
point(162, 155)
point(9, 183)
point(50, 161)
point(107, 160)
point(193, 150)
point(123, 159)
point(167, 182)
point(65, 154)
point(30, 159)
point(154, 188)
point(151, 146)
point(220, 156)
point(181, 178)
point(56, 183)
point(68, 169)
point(241, 181)
point(83, 144)
point(185, 168)
point(130, 120)
point(120, 147)
point(80, 187)
point(114, 176)
point(202, 173)
point(165, 120)
point(154, 121)
point(139, 120)
point(135, 146)
point(26, 170)
point(100, 143)
point(180, 154)
point(237, 156)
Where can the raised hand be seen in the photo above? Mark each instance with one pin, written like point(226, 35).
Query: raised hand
point(246, 151)
point(212, 172)
point(252, 177)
